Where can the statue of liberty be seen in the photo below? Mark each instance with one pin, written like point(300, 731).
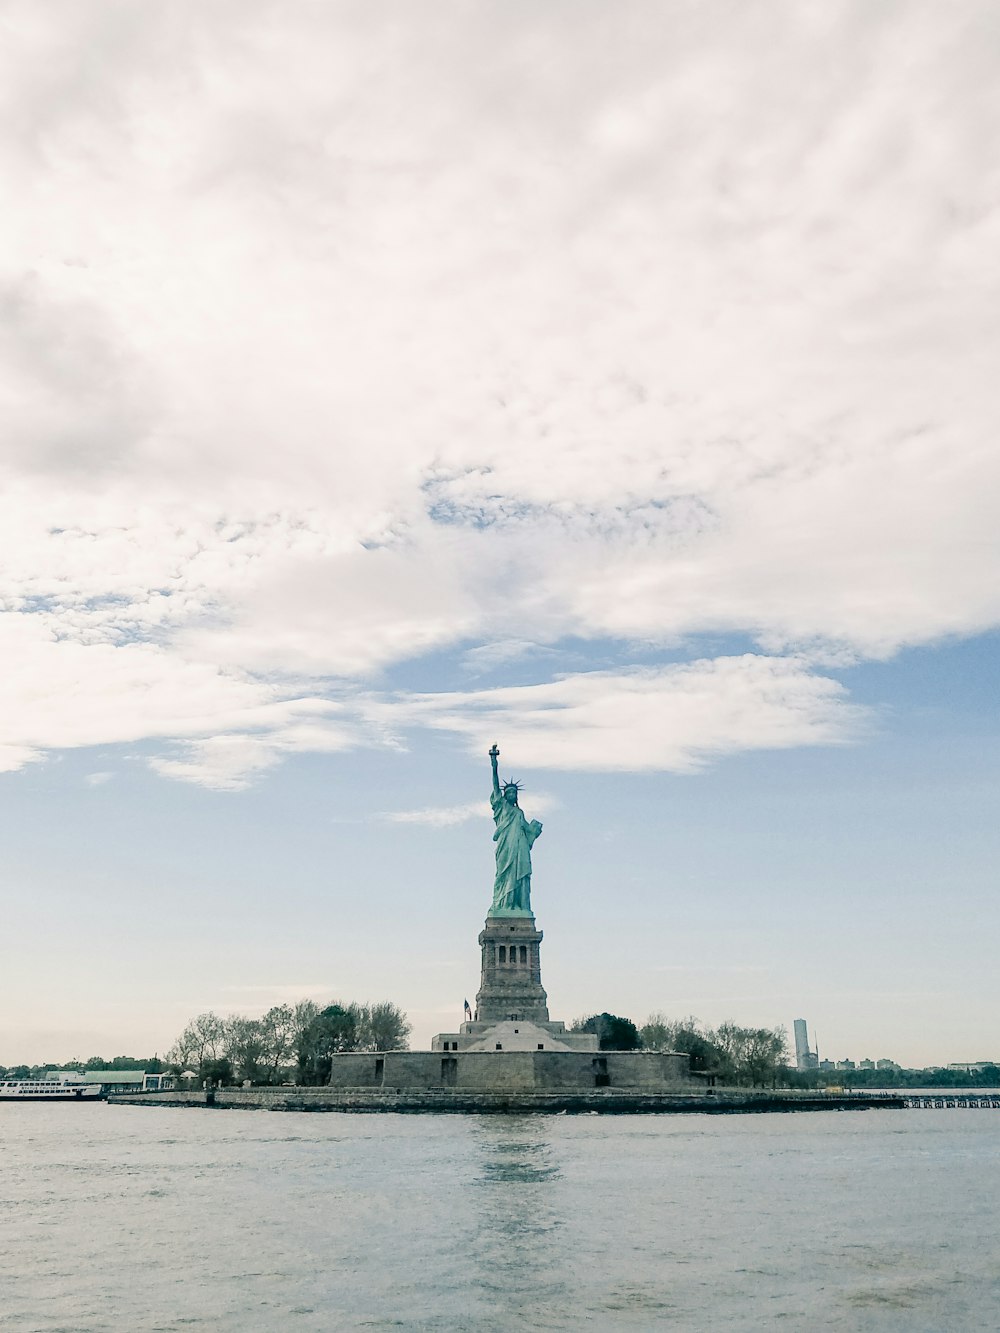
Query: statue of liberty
point(514, 837)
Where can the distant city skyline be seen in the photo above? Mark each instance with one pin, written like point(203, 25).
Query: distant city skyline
point(615, 384)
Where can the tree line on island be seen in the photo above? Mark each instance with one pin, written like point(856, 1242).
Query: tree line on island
point(741, 1057)
point(290, 1043)
point(296, 1043)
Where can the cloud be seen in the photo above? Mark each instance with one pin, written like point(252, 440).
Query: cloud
point(58, 692)
point(230, 762)
point(354, 336)
point(675, 718)
point(439, 816)
point(489, 656)
point(446, 815)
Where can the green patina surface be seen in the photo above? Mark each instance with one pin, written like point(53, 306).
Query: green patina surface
point(514, 838)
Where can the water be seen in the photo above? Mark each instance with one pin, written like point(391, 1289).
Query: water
point(165, 1219)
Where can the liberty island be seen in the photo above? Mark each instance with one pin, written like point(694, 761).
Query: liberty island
point(509, 1056)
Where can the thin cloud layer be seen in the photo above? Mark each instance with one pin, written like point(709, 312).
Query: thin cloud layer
point(439, 816)
point(674, 718)
point(337, 338)
point(445, 816)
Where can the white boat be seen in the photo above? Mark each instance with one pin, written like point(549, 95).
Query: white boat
point(48, 1090)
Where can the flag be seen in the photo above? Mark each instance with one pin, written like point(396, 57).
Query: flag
point(468, 1011)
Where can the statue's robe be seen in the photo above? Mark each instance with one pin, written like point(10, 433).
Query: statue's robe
point(514, 837)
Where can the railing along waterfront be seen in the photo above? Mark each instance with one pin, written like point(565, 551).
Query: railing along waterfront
point(953, 1101)
point(940, 1101)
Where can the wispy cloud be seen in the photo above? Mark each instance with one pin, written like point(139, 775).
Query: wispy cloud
point(439, 816)
point(673, 718)
point(443, 816)
point(490, 656)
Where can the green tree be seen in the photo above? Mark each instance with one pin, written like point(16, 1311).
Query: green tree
point(332, 1031)
point(613, 1033)
point(704, 1057)
point(217, 1071)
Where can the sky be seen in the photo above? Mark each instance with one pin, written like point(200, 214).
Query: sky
point(617, 384)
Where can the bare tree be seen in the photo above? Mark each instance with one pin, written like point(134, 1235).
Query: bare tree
point(298, 1037)
point(729, 1040)
point(657, 1033)
point(182, 1053)
point(383, 1027)
point(751, 1056)
point(765, 1052)
point(200, 1042)
point(280, 1028)
point(245, 1047)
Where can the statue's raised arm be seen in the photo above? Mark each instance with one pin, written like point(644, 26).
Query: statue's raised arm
point(514, 838)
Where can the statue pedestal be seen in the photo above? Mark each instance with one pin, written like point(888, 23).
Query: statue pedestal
point(512, 1011)
point(511, 986)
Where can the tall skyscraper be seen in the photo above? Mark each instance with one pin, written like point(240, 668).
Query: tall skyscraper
point(804, 1057)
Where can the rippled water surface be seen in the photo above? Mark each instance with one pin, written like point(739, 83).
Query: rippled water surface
point(150, 1219)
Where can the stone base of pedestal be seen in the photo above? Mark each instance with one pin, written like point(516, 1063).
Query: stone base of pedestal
point(514, 1035)
point(511, 986)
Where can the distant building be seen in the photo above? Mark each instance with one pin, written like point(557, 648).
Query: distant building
point(867, 1064)
point(804, 1057)
point(886, 1064)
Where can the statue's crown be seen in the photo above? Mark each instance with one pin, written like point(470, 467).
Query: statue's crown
point(511, 783)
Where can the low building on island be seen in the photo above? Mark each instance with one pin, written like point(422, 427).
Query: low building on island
point(117, 1080)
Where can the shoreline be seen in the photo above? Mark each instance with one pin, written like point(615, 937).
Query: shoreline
point(448, 1102)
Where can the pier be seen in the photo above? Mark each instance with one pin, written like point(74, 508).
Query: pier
point(946, 1100)
point(951, 1101)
